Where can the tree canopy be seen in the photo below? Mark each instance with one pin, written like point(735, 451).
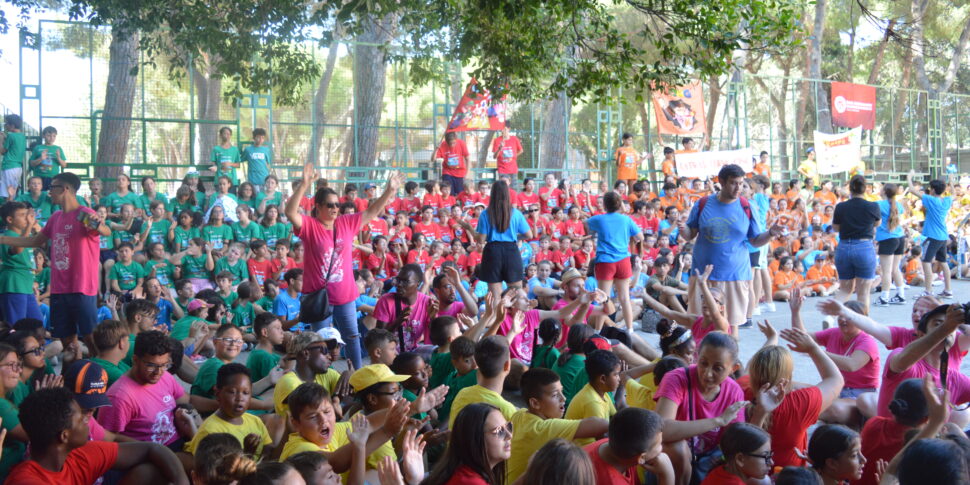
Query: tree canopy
point(529, 47)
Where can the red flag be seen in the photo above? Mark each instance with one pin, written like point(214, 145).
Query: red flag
point(853, 105)
point(476, 111)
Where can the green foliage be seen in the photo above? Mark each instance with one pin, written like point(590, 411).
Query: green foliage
point(528, 47)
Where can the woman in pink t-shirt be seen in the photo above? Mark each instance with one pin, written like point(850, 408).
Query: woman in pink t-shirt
point(319, 230)
point(407, 311)
point(697, 402)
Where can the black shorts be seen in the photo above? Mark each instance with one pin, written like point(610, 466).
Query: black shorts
point(892, 246)
point(501, 261)
point(754, 257)
point(934, 248)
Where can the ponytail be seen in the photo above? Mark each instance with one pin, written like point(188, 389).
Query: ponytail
point(889, 190)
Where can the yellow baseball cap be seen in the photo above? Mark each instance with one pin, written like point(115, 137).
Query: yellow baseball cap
point(374, 374)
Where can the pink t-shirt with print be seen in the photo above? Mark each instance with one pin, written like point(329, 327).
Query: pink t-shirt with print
point(674, 387)
point(74, 253)
point(416, 328)
point(864, 378)
point(318, 248)
point(521, 347)
point(453, 310)
point(957, 383)
point(146, 413)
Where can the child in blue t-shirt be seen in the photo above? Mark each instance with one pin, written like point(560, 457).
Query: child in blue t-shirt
point(258, 159)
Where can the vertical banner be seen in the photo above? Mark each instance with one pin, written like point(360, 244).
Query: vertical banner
point(680, 110)
point(839, 152)
point(853, 105)
point(476, 111)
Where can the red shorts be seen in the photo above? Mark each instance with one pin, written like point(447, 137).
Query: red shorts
point(619, 270)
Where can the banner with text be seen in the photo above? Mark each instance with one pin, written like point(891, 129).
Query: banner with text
point(680, 109)
point(839, 152)
point(707, 164)
point(853, 105)
point(477, 110)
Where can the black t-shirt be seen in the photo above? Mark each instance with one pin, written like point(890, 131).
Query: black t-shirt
point(856, 218)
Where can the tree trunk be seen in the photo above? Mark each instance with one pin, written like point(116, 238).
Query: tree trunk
point(881, 53)
point(370, 78)
point(554, 137)
point(645, 128)
point(118, 101)
point(901, 97)
point(484, 149)
point(714, 96)
point(824, 114)
point(778, 102)
point(208, 93)
point(319, 101)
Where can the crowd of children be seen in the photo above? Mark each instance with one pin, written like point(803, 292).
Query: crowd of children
point(202, 368)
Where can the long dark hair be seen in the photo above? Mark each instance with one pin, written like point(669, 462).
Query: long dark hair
point(889, 191)
point(469, 450)
point(500, 206)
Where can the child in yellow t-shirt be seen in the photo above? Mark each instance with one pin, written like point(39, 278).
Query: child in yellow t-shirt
point(233, 391)
point(541, 422)
point(593, 401)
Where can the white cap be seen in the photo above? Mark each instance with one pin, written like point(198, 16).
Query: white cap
point(330, 333)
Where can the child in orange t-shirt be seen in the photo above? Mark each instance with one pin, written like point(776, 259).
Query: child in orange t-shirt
point(785, 279)
point(627, 161)
point(822, 276)
point(914, 269)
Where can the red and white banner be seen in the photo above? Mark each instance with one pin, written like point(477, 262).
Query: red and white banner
point(680, 109)
point(707, 164)
point(476, 111)
point(853, 105)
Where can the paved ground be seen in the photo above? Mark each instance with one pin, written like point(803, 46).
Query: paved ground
point(752, 339)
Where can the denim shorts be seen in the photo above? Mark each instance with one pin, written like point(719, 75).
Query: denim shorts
point(855, 258)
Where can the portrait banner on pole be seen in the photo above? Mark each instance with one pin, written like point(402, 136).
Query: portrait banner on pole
point(839, 152)
point(707, 164)
point(476, 111)
point(680, 109)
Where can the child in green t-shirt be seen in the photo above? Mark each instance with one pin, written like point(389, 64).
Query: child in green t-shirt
point(244, 310)
point(443, 330)
point(156, 228)
point(258, 159)
point(463, 360)
point(187, 229)
point(16, 276)
point(268, 329)
point(225, 156)
point(126, 275)
point(245, 229)
point(159, 266)
point(196, 264)
point(13, 148)
point(233, 263)
point(546, 355)
point(47, 159)
point(216, 232)
point(38, 200)
point(224, 288)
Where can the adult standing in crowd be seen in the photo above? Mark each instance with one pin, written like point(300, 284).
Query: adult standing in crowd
point(936, 207)
point(453, 155)
point(318, 235)
point(500, 226)
point(614, 230)
point(855, 257)
point(723, 223)
point(507, 149)
point(74, 234)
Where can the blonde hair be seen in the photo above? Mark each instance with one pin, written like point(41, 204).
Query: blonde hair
point(769, 365)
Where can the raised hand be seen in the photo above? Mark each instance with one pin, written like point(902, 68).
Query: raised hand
point(937, 400)
point(361, 430)
point(770, 397)
point(251, 443)
point(796, 299)
point(395, 181)
point(428, 400)
point(309, 174)
point(389, 473)
point(770, 333)
point(702, 277)
point(412, 453)
point(731, 413)
point(49, 381)
point(830, 307)
point(397, 417)
point(800, 341)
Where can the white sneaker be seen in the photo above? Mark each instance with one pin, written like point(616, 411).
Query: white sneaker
point(771, 307)
point(937, 282)
point(757, 311)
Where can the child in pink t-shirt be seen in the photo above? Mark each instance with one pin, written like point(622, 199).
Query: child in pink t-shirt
point(518, 305)
point(702, 394)
point(145, 412)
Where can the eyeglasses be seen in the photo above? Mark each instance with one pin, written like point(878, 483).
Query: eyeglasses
point(54, 187)
point(331, 205)
point(15, 366)
point(229, 341)
point(767, 457)
point(503, 432)
point(396, 394)
point(39, 351)
point(153, 368)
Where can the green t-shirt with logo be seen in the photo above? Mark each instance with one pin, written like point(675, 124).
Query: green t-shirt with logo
point(222, 155)
point(276, 199)
point(42, 205)
point(16, 270)
point(248, 233)
point(218, 237)
point(164, 271)
point(48, 167)
point(114, 201)
point(182, 236)
point(276, 232)
point(16, 147)
point(258, 159)
point(243, 315)
point(127, 275)
point(115, 371)
point(144, 203)
point(194, 267)
point(158, 233)
point(239, 270)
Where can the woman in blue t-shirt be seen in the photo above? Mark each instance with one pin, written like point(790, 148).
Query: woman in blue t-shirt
point(499, 227)
point(892, 245)
point(613, 233)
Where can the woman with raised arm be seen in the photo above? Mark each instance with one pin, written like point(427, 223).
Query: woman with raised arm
point(328, 245)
